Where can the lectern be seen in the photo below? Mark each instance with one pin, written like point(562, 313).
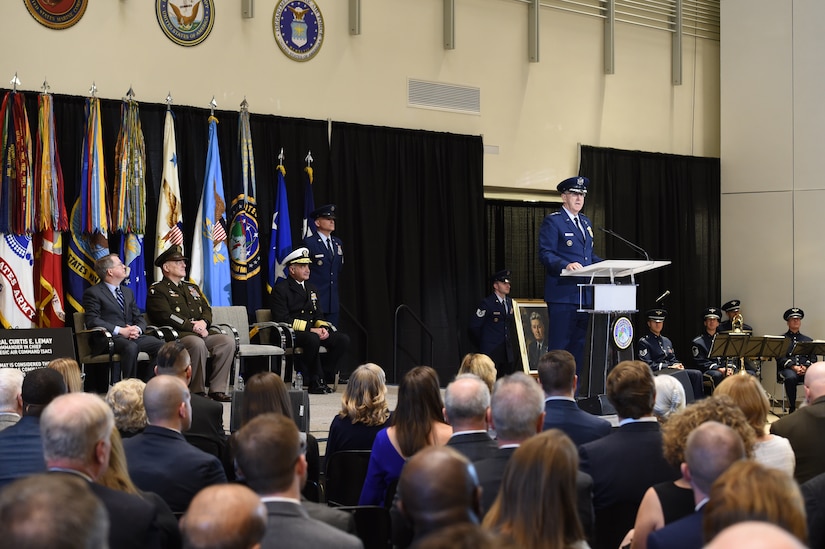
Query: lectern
point(613, 286)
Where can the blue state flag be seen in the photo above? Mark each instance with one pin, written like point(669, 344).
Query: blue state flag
point(281, 243)
point(131, 250)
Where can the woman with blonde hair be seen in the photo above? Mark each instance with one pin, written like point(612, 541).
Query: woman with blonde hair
point(747, 393)
point(70, 370)
point(125, 398)
point(364, 411)
point(480, 365)
point(536, 504)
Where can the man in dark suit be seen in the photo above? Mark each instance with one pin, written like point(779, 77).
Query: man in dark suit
point(21, 446)
point(160, 459)
point(711, 448)
point(181, 304)
point(557, 374)
point(492, 325)
point(112, 306)
point(467, 409)
point(636, 445)
point(224, 515)
point(327, 254)
point(295, 301)
point(804, 428)
point(271, 461)
point(76, 430)
point(566, 243)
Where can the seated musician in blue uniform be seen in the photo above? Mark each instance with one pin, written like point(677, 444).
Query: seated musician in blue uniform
point(492, 324)
point(790, 367)
point(716, 368)
point(733, 308)
point(657, 352)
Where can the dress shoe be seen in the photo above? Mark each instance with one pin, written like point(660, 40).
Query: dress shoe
point(343, 378)
point(201, 394)
point(317, 390)
point(328, 389)
point(220, 397)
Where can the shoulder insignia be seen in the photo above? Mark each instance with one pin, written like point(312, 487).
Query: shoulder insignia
point(152, 288)
point(695, 350)
point(555, 213)
point(480, 313)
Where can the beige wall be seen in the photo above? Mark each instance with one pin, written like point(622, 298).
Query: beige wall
point(536, 113)
point(773, 130)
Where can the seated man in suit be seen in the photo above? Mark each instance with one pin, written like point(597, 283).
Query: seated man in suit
point(21, 447)
point(557, 374)
point(160, 460)
point(76, 430)
point(111, 305)
point(466, 409)
point(271, 460)
point(792, 368)
point(711, 448)
point(181, 304)
point(224, 515)
point(656, 351)
point(636, 445)
point(295, 301)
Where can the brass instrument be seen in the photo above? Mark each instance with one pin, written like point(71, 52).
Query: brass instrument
point(736, 327)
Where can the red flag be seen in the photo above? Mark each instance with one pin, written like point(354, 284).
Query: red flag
point(51, 312)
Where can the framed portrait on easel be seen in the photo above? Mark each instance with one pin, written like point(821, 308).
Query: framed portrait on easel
point(531, 321)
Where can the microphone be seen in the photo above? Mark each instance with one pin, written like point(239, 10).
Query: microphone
point(661, 297)
point(626, 241)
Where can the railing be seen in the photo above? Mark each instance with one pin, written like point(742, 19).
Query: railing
point(409, 311)
point(361, 328)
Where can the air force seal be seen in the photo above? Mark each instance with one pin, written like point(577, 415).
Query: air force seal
point(299, 28)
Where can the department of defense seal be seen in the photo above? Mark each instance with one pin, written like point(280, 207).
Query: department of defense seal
point(56, 14)
point(185, 22)
point(299, 28)
point(623, 332)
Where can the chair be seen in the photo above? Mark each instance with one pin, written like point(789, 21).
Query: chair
point(236, 321)
point(344, 476)
point(781, 380)
point(265, 323)
point(372, 525)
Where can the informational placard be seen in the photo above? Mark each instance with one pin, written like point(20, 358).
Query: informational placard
point(35, 348)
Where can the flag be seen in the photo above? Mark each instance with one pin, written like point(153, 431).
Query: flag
point(51, 310)
point(309, 203)
point(210, 257)
point(84, 250)
point(170, 217)
point(48, 172)
point(17, 309)
point(244, 245)
point(17, 190)
point(281, 241)
point(129, 198)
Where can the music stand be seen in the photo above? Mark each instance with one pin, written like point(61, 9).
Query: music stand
point(816, 347)
point(765, 346)
point(728, 345)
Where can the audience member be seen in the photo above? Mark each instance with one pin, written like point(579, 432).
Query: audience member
point(271, 461)
point(670, 397)
point(557, 374)
point(636, 445)
point(813, 491)
point(804, 428)
point(749, 490)
point(160, 460)
point(536, 505)
point(76, 430)
point(364, 411)
point(225, 516)
point(45, 510)
point(418, 421)
point(464, 535)
point(11, 399)
point(126, 400)
point(667, 502)
point(480, 365)
point(711, 449)
point(21, 447)
point(755, 535)
point(70, 370)
point(438, 488)
point(467, 410)
point(748, 394)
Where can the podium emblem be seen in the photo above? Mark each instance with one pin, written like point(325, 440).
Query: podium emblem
point(622, 332)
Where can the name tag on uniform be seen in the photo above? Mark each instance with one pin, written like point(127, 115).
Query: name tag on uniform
point(568, 234)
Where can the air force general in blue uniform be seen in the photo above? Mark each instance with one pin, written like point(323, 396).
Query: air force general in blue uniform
point(566, 242)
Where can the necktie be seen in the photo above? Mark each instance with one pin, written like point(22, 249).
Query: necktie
point(329, 246)
point(120, 300)
point(578, 225)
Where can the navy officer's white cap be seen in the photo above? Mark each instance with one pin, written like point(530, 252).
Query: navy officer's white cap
point(299, 257)
point(574, 185)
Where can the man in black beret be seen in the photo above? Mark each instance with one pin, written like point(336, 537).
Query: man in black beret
point(791, 368)
point(492, 324)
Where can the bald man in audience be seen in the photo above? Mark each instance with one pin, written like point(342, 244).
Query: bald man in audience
point(467, 410)
point(11, 399)
point(755, 535)
point(804, 427)
point(52, 511)
point(76, 430)
point(160, 460)
point(21, 446)
point(711, 448)
point(229, 516)
point(270, 458)
point(438, 488)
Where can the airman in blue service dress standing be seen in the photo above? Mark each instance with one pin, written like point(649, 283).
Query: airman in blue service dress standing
point(327, 254)
point(790, 367)
point(657, 352)
point(566, 242)
point(492, 324)
point(716, 368)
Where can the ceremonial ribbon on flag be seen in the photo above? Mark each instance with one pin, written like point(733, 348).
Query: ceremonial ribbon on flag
point(17, 192)
point(170, 215)
point(51, 205)
point(281, 244)
point(93, 204)
point(309, 201)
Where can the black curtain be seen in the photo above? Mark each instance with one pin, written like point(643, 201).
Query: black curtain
point(411, 216)
point(670, 206)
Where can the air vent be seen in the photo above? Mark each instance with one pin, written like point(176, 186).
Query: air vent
point(443, 97)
